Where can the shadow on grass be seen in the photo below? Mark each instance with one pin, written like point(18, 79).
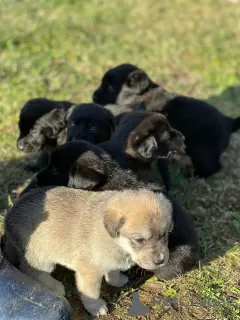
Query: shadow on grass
point(13, 178)
point(213, 204)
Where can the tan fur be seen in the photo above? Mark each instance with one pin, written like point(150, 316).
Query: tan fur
point(117, 109)
point(90, 232)
point(158, 98)
point(154, 122)
point(154, 99)
point(145, 141)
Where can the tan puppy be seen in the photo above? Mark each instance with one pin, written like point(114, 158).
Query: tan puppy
point(95, 234)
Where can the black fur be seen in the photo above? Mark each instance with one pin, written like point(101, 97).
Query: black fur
point(90, 122)
point(80, 164)
point(206, 130)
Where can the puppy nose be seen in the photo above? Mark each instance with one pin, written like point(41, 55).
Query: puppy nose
point(159, 259)
point(20, 145)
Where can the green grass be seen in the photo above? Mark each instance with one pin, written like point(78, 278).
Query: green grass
point(60, 49)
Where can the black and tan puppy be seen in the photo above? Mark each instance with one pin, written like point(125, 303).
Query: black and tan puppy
point(76, 164)
point(206, 130)
point(42, 125)
point(90, 122)
point(95, 234)
point(142, 137)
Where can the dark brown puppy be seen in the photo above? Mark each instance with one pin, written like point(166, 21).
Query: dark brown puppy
point(79, 164)
point(142, 137)
point(206, 130)
point(90, 122)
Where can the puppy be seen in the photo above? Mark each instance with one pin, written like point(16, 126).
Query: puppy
point(40, 122)
point(77, 228)
point(206, 130)
point(140, 138)
point(76, 164)
point(90, 122)
point(42, 125)
point(79, 164)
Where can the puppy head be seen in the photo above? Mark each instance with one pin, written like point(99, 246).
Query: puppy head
point(122, 84)
point(44, 131)
point(32, 143)
point(153, 138)
point(77, 164)
point(90, 122)
point(140, 222)
point(33, 110)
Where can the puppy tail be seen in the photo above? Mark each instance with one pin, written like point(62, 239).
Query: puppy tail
point(236, 124)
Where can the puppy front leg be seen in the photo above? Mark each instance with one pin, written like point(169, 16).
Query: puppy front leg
point(89, 284)
point(116, 278)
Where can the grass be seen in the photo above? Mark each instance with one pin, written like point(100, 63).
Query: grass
point(60, 49)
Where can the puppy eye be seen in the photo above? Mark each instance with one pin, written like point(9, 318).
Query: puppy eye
point(71, 124)
point(139, 240)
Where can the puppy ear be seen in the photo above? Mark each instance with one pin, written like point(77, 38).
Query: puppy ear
point(52, 123)
point(113, 221)
point(138, 81)
point(148, 147)
point(88, 172)
point(143, 141)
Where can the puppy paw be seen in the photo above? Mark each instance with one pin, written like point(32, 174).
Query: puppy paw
point(116, 278)
point(96, 307)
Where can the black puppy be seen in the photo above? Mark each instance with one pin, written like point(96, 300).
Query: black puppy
point(42, 125)
point(79, 164)
point(206, 130)
point(142, 137)
point(90, 122)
